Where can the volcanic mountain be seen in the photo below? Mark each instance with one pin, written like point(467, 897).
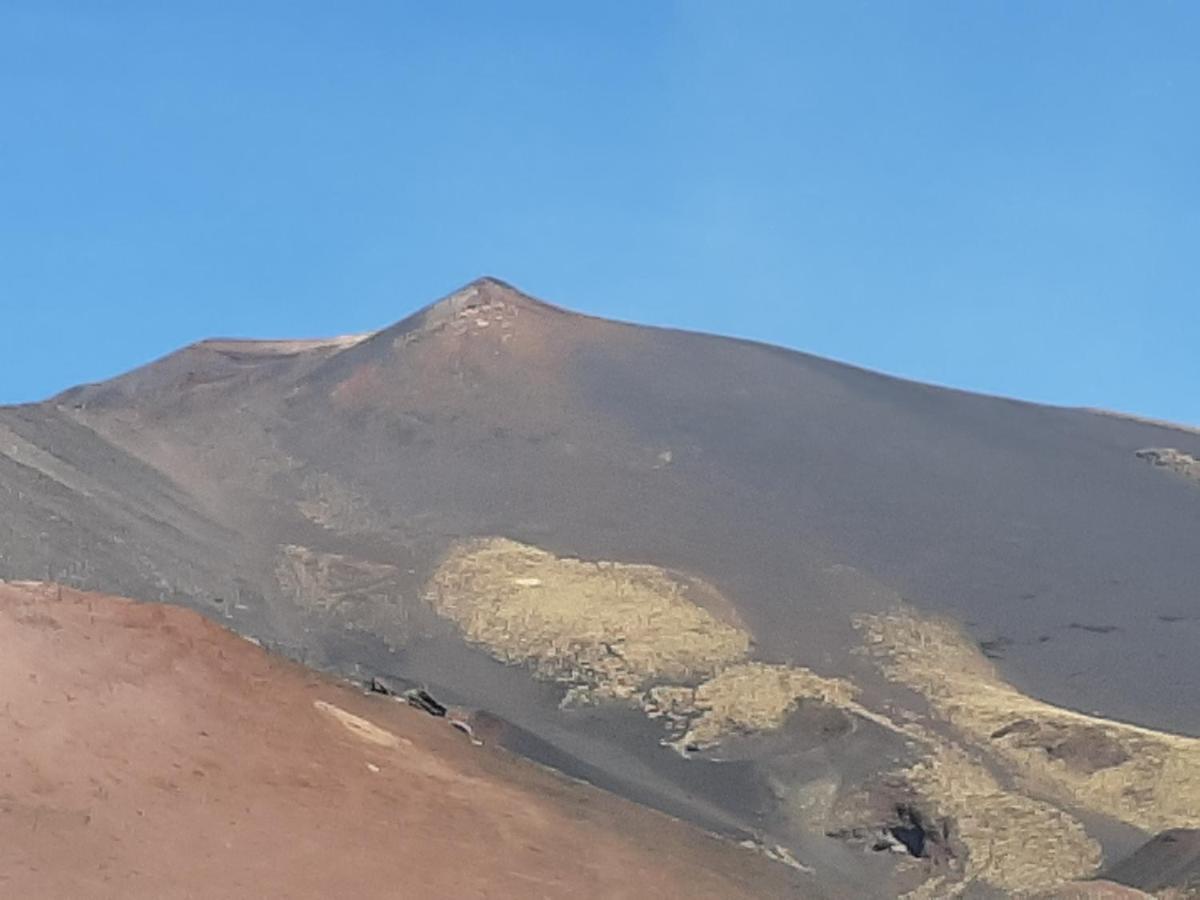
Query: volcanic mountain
point(902, 637)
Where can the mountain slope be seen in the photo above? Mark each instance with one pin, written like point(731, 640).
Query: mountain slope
point(138, 765)
point(440, 500)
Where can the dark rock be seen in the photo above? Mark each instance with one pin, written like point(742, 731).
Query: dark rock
point(381, 686)
point(423, 700)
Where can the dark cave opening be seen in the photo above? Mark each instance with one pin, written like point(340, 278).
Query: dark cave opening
point(909, 830)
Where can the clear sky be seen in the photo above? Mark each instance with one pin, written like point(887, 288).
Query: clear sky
point(999, 196)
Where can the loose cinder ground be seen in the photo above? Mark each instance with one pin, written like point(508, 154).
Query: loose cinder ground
point(149, 753)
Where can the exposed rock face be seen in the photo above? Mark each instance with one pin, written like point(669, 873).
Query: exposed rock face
point(1176, 460)
point(1085, 749)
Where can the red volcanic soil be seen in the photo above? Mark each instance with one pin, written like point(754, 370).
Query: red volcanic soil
point(146, 752)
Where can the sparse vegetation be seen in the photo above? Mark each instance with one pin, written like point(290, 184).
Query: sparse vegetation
point(1147, 778)
point(640, 634)
point(1014, 842)
point(631, 632)
point(746, 697)
point(609, 629)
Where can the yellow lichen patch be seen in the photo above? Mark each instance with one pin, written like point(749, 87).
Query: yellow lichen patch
point(746, 697)
point(1146, 778)
point(1014, 842)
point(608, 628)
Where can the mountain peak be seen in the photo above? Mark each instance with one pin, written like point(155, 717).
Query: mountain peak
point(483, 296)
point(491, 282)
point(484, 291)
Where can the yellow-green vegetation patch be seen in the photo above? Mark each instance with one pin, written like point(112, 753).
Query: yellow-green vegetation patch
point(608, 628)
point(673, 646)
point(747, 697)
point(1014, 842)
point(1147, 778)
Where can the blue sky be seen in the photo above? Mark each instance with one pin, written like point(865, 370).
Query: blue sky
point(1000, 196)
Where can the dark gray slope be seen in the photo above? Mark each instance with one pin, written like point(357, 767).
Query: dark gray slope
point(1168, 860)
point(1037, 525)
point(78, 510)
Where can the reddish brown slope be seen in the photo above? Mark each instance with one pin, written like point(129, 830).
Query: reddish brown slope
point(147, 753)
